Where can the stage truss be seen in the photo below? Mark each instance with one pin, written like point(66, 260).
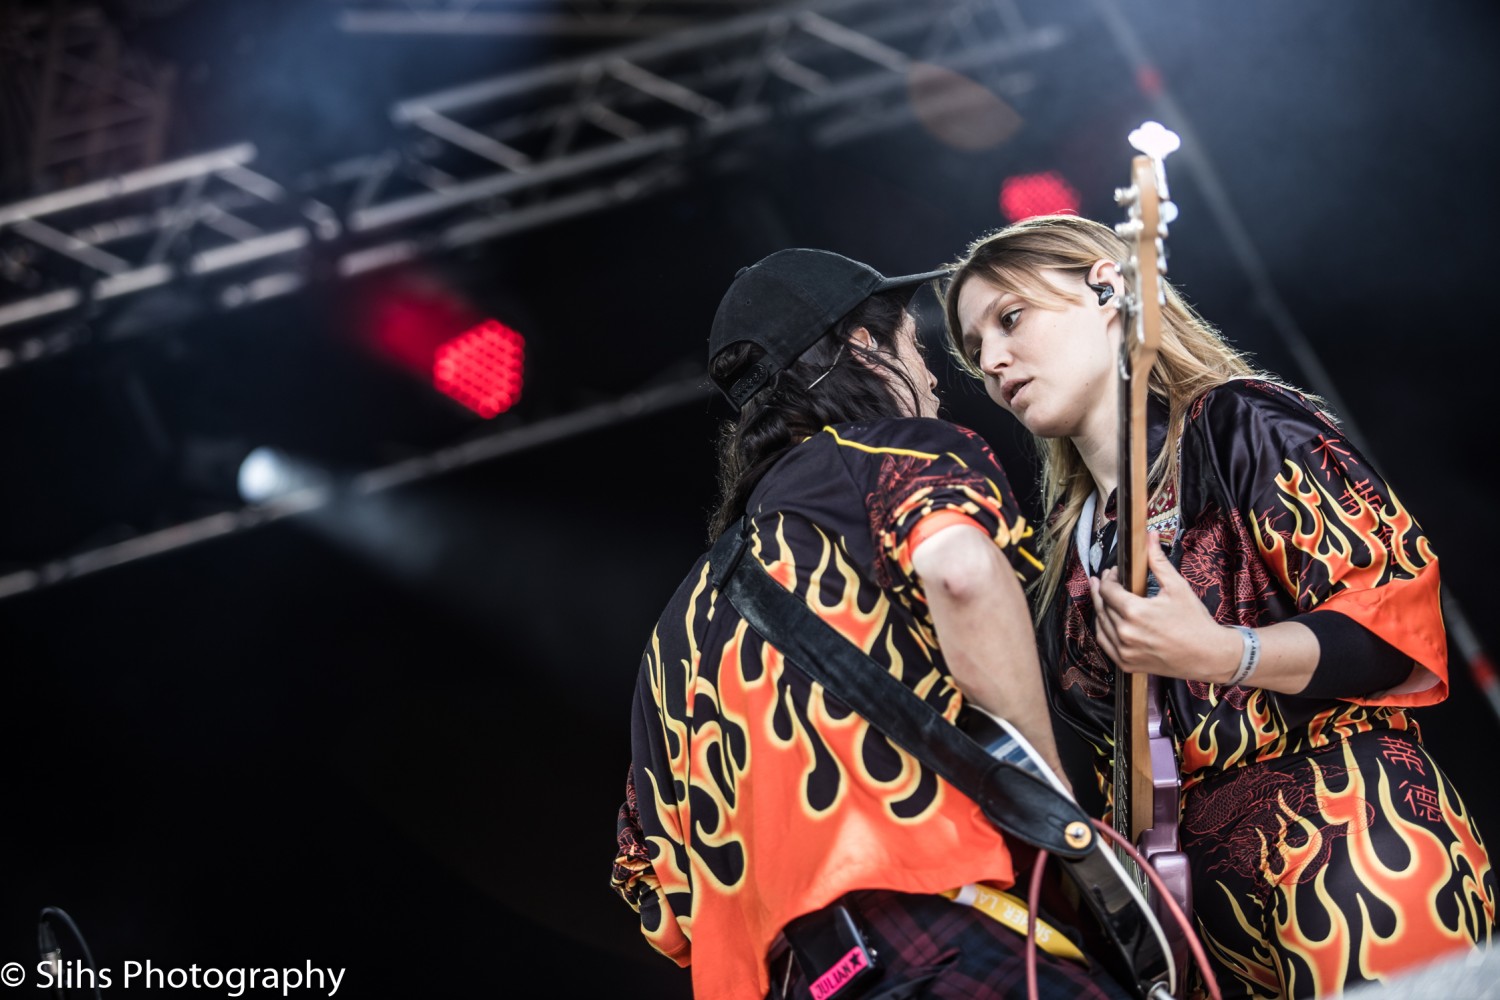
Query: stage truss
point(485, 160)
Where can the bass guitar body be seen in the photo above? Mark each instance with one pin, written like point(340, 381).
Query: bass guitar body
point(1160, 843)
point(1147, 809)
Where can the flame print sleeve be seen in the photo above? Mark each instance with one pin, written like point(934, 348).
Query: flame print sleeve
point(1332, 532)
point(934, 474)
point(653, 854)
point(635, 880)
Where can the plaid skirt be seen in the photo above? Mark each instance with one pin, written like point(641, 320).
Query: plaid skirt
point(928, 946)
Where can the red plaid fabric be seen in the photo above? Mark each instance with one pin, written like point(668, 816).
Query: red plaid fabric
point(928, 946)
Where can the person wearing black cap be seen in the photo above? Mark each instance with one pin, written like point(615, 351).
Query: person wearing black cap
point(753, 799)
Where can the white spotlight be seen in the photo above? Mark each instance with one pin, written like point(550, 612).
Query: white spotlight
point(267, 473)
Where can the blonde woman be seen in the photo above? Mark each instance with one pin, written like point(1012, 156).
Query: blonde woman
point(1297, 622)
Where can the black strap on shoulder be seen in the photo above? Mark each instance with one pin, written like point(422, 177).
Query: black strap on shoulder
point(1019, 803)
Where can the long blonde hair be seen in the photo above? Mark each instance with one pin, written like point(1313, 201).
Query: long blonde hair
point(1193, 358)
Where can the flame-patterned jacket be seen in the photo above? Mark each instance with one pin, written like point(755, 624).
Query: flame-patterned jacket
point(752, 797)
point(1276, 517)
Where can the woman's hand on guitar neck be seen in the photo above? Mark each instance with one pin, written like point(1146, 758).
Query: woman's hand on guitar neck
point(1173, 635)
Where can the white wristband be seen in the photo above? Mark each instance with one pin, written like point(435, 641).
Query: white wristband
point(1249, 658)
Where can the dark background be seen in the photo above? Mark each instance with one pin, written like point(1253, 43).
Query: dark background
point(391, 735)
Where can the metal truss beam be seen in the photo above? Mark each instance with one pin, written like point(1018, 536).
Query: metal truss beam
point(533, 18)
point(374, 481)
point(486, 160)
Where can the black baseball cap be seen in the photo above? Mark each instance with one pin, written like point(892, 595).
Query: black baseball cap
point(785, 303)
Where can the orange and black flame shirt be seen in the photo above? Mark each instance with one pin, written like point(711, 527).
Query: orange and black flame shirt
point(1275, 516)
point(753, 798)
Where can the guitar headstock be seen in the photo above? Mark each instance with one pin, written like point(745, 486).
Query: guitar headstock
point(1149, 211)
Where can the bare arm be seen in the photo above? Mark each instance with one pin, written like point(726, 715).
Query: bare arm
point(984, 629)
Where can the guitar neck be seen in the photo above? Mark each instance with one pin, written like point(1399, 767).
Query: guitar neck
point(1133, 813)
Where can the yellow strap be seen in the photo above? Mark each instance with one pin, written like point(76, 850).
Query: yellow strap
point(1011, 912)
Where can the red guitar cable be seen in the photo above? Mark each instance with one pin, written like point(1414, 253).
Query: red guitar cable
point(1034, 902)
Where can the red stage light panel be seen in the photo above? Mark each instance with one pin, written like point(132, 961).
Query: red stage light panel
point(1047, 193)
point(482, 368)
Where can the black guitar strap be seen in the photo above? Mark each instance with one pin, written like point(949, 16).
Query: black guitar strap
point(1021, 804)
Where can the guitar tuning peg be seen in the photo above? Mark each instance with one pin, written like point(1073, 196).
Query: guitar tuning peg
point(1126, 195)
point(1128, 230)
point(1168, 212)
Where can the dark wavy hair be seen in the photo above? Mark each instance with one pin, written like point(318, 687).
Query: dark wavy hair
point(788, 411)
